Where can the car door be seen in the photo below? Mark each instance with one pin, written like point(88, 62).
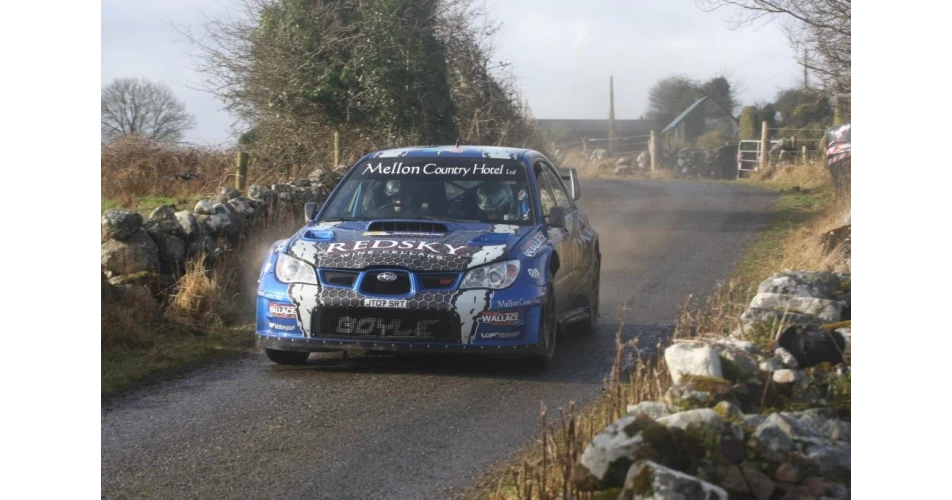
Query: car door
point(571, 248)
point(558, 237)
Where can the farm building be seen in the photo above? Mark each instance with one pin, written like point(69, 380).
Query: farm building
point(701, 117)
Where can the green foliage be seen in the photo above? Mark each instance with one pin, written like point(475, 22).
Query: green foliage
point(714, 139)
point(402, 73)
point(749, 128)
point(719, 90)
point(670, 96)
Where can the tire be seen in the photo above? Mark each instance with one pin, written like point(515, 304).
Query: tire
point(548, 331)
point(287, 357)
point(589, 327)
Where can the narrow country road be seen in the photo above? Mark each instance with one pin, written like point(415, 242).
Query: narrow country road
point(421, 428)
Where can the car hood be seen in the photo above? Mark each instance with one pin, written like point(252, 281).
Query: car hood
point(415, 245)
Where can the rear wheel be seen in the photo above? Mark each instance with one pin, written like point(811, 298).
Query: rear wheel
point(548, 330)
point(287, 357)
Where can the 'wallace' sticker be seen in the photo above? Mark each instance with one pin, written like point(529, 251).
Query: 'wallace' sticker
point(500, 317)
point(276, 310)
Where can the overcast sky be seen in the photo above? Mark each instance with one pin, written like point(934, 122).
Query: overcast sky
point(562, 52)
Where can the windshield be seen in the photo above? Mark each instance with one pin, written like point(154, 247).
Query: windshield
point(455, 189)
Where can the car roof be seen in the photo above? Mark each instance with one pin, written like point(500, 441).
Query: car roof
point(463, 151)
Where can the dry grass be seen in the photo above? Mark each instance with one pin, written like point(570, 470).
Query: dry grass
point(132, 168)
point(138, 174)
point(205, 294)
point(544, 470)
point(129, 319)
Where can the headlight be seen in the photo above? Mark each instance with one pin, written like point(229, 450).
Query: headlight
point(292, 270)
point(495, 276)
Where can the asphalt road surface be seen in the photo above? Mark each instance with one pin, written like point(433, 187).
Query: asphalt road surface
point(421, 428)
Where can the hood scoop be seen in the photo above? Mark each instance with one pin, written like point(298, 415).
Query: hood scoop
point(318, 235)
point(405, 226)
point(490, 239)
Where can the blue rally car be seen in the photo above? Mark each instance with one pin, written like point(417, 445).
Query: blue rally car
point(435, 249)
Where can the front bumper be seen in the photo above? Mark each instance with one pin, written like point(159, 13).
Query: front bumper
point(316, 317)
point(304, 344)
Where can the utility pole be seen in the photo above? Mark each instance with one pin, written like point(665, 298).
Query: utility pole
point(611, 115)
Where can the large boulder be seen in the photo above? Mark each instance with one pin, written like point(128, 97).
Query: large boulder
point(242, 206)
point(121, 224)
point(204, 207)
point(650, 480)
point(697, 391)
point(737, 365)
point(172, 249)
point(811, 345)
point(136, 254)
point(165, 217)
point(197, 237)
point(652, 409)
point(606, 460)
point(701, 421)
point(818, 285)
point(817, 435)
point(692, 359)
point(777, 306)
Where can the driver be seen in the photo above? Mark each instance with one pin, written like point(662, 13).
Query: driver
point(401, 199)
point(495, 200)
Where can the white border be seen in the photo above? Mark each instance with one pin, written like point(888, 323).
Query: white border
point(51, 386)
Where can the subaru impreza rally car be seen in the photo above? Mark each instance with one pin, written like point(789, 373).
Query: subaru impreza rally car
point(435, 249)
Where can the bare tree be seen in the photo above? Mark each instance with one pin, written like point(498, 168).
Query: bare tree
point(821, 28)
point(134, 106)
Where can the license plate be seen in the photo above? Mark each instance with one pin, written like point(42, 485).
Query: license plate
point(385, 303)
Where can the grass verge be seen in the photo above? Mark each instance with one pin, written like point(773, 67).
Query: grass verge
point(125, 368)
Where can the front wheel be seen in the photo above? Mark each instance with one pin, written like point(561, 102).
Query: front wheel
point(287, 357)
point(547, 331)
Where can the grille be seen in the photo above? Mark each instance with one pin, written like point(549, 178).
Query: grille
point(339, 278)
point(370, 323)
point(370, 285)
point(438, 280)
point(407, 227)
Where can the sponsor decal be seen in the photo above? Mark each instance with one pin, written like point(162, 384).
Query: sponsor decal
point(499, 335)
point(420, 246)
point(279, 326)
point(273, 295)
point(516, 303)
point(534, 273)
point(531, 247)
point(398, 168)
point(501, 317)
point(348, 325)
point(277, 310)
point(522, 194)
point(407, 234)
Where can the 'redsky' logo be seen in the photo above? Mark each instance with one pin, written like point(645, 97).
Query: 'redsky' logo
point(420, 246)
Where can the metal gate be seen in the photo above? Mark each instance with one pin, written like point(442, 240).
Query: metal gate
point(748, 155)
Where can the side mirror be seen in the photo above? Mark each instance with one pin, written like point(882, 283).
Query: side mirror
point(557, 217)
point(310, 211)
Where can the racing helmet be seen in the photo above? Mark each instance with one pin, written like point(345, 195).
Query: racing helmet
point(392, 188)
point(494, 197)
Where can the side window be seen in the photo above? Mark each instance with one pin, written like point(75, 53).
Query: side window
point(562, 198)
point(546, 198)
